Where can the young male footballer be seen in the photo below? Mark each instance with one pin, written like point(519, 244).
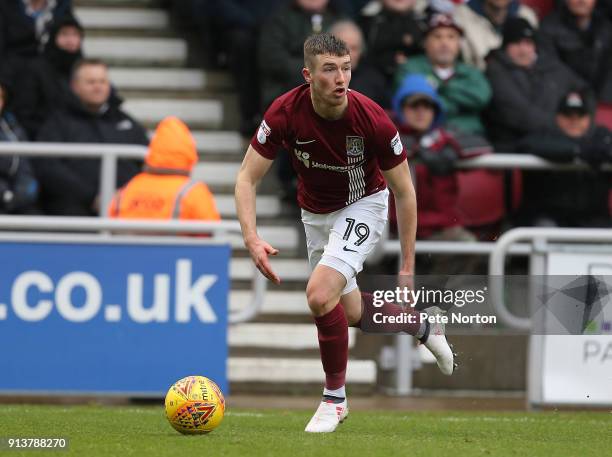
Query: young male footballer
point(345, 150)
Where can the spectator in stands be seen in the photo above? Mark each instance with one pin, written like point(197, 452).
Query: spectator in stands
point(394, 34)
point(463, 89)
point(583, 41)
point(281, 59)
point(18, 186)
point(527, 86)
point(364, 77)
point(482, 21)
point(46, 86)
point(240, 22)
point(281, 53)
point(69, 186)
point(419, 115)
point(164, 189)
point(575, 199)
point(24, 29)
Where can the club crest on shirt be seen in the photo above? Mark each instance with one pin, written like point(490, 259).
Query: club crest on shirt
point(354, 145)
point(396, 145)
point(264, 132)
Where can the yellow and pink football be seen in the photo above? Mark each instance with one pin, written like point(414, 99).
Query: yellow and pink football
point(195, 405)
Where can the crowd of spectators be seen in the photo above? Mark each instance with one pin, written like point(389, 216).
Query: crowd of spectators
point(51, 92)
point(459, 78)
point(496, 71)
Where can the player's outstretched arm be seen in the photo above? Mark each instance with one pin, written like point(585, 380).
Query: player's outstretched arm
point(254, 167)
point(400, 182)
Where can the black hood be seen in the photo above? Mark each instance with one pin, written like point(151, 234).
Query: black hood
point(62, 60)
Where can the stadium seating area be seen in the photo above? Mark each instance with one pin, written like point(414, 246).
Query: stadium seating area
point(180, 58)
point(154, 52)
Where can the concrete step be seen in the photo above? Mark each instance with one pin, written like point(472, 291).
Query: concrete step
point(275, 302)
point(168, 79)
point(133, 51)
point(227, 142)
point(277, 336)
point(286, 238)
point(216, 173)
point(287, 269)
point(203, 113)
point(277, 370)
point(122, 18)
point(267, 206)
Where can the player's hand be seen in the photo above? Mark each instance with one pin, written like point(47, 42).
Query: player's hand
point(260, 250)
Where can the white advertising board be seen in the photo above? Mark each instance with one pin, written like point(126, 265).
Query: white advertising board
point(577, 369)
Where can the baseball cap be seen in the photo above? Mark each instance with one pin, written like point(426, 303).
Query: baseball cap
point(516, 29)
point(437, 20)
point(573, 102)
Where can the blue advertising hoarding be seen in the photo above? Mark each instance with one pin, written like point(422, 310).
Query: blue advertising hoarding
point(111, 318)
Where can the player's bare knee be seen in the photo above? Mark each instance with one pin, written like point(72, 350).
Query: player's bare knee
point(320, 299)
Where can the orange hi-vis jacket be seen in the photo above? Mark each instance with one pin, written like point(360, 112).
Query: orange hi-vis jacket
point(164, 189)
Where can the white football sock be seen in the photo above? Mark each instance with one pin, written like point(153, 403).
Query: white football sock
point(339, 392)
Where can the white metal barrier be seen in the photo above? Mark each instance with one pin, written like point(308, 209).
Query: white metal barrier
point(539, 239)
point(110, 153)
point(561, 368)
point(533, 242)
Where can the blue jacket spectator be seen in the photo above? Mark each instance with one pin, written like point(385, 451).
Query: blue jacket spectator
point(419, 114)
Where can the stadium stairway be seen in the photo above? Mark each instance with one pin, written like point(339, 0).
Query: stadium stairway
point(278, 351)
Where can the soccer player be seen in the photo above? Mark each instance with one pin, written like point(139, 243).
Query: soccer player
point(345, 150)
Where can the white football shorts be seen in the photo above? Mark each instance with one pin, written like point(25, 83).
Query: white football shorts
point(343, 239)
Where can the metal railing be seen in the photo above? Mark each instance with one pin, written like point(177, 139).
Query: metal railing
point(131, 231)
point(110, 153)
point(107, 153)
point(539, 238)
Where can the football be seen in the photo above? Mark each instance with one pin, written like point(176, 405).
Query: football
point(194, 405)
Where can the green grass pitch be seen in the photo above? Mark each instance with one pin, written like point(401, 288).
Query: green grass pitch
point(143, 431)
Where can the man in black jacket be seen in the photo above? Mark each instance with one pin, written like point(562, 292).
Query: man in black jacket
point(574, 199)
point(393, 35)
point(70, 186)
point(527, 86)
point(581, 38)
point(240, 21)
point(281, 43)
